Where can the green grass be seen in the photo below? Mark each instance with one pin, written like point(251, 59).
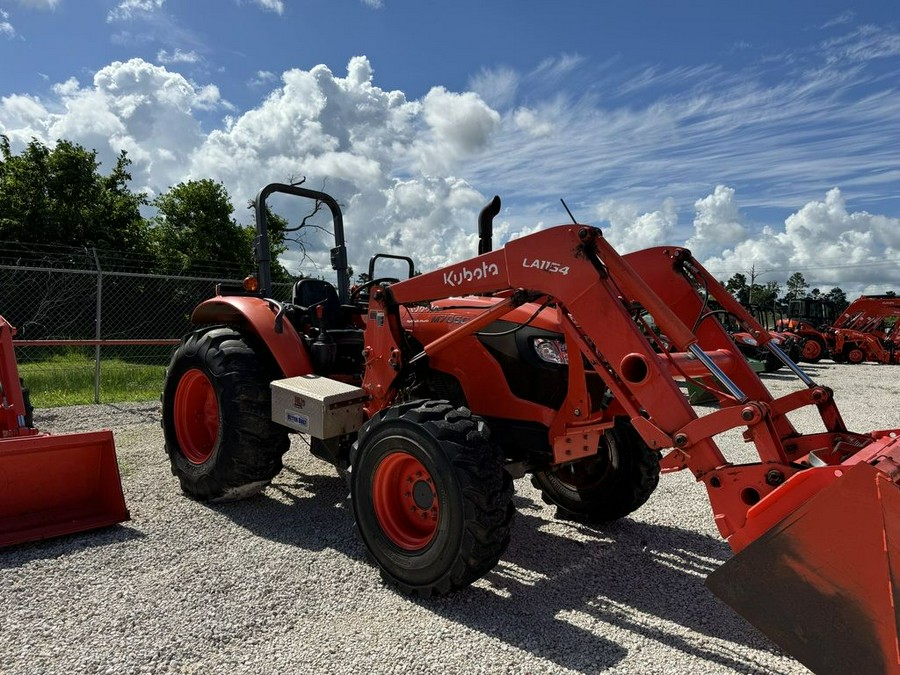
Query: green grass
point(69, 380)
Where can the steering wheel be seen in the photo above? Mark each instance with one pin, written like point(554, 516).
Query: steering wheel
point(357, 292)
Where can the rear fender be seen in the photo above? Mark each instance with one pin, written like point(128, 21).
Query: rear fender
point(257, 316)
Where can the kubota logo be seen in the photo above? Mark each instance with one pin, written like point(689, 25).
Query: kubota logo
point(455, 278)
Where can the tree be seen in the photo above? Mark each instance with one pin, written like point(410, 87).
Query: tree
point(796, 287)
point(838, 297)
point(194, 232)
point(59, 195)
point(765, 295)
point(737, 286)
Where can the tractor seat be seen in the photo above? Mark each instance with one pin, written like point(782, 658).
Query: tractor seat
point(317, 296)
point(309, 294)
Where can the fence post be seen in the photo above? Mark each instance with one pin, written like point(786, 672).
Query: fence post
point(97, 332)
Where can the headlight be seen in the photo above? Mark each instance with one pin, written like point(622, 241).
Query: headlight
point(551, 351)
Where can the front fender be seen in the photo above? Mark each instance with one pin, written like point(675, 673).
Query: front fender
point(258, 317)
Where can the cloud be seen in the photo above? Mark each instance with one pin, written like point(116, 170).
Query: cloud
point(373, 149)
point(829, 244)
point(458, 125)
point(717, 224)
point(412, 174)
point(839, 20)
point(374, 4)
point(633, 231)
point(177, 56)
point(276, 6)
point(496, 86)
point(377, 152)
point(6, 28)
point(262, 78)
point(866, 43)
point(781, 131)
point(39, 4)
point(127, 10)
point(133, 105)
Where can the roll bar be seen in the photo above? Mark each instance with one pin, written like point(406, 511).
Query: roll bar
point(261, 245)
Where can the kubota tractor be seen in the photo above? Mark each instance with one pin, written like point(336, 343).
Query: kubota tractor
point(866, 331)
point(432, 393)
point(810, 319)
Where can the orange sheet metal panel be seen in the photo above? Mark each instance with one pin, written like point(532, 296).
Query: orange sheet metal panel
point(823, 583)
point(51, 485)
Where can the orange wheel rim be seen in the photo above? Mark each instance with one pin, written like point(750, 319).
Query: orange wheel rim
point(405, 501)
point(196, 416)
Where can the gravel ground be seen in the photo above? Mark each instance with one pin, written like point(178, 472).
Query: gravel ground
point(280, 583)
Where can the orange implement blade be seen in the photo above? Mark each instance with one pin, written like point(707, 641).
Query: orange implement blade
point(52, 485)
point(823, 583)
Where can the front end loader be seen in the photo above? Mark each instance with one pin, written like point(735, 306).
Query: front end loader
point(431, 394)
point(50, 484)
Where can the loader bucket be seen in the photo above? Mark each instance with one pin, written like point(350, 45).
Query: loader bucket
point(823, 583)
point(58, 484)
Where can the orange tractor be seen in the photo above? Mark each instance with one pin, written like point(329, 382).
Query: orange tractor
point(866, 331)
point(809, 319)
point(433, 393)
point(50, 485)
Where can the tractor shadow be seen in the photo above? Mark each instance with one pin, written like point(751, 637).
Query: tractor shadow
point(785, 375)
point(555, 594)
point(307, 510)
point(568, 591)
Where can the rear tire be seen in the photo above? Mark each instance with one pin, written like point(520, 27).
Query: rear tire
point(607, 486)
point(813, 349)
point(216, 405)
point(431, 497)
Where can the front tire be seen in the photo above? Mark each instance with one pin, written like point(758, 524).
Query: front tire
point(431, 497)
point(607, 486)
point(216, 404)
point(855, 355)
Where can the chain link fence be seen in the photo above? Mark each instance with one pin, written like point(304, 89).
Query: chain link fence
point(96, 326)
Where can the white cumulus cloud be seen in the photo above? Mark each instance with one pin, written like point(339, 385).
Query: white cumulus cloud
point(717, 224)
point(411, 174)
point(632, 231)
point(824, 241)
point(134, 106)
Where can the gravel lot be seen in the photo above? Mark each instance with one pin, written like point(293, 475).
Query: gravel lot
point(280, 583)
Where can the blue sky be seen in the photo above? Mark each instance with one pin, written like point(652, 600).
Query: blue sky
point(764, 135)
